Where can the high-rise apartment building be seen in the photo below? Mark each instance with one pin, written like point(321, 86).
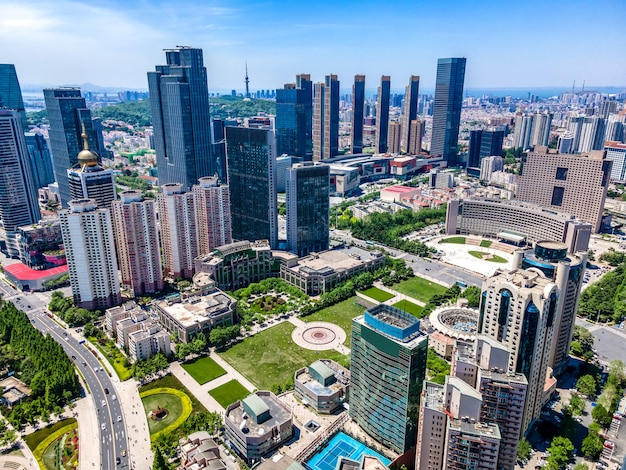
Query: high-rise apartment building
point(251, 155)
point(592, 134)
point(178, 230)
point(607, 107)
point(388, 363)
point(358, 113)
point(326, 118)
point(179, 100)
point(519, 308)
point(616, 152)
point(67, 114)
point(614, 128)
point(137, 242)
point(523, 131)
point(569, 183)
point(447, 113)
point(294, 118)
point(308, 208)
point(382, 114)
point(542, 123)
point(18, 194)
point(566, 271)
point(212, 201)
point(89, 180)
point(575, 127)
point(418, 128)
point(410, 112)
point(489, 165)
point(565, 143)
point(90, 251)
point(395, 128)
point(11, 93)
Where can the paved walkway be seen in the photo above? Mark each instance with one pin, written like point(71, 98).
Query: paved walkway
point(136, 423)
point(88, 434)
point(16, 462)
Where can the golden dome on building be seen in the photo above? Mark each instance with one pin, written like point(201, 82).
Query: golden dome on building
point(86, 156)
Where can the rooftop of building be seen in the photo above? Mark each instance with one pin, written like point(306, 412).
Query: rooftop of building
point(329, 371)
point(22, 272)
point(400, 189)
point(236, 248)
point(456, 322)
point(502, 376)
point(336, 260)
point(196, 309)
point(280, 462)
point(464, 387)
point(394, 323)
point(476, 429)
point(433, 396)
point(261, 403)
point(464, 351)
point(524, 205)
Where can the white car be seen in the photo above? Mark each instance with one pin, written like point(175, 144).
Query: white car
point(119, 418)
point(103, 426)
point(114, 397)
point(104, 403)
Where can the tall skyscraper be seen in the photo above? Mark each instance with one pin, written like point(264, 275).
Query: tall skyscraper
point(614, 128)
point(67, 113)
point(40, 159)
point(575, 127)
point(410, 111)
point(566, 271)
point(447, 114)
point(570, 183)
point(89, 180)
point(542, 123)
point(294, 118)
point(388, 364)
point(137, 242)
point(212, 201)
point(382, 114)
point(179, 99)
point(308, 208)
point(326, 118)
point(523, 131)
point(482, 144)
point(178, 231)
point(11, 93)
point(418, 128)
point(519, 309)
point(218, 149)
point(90, 251)
point(18, 195)
point(592, 134)
point(251, 155)
point(358, 113)
point(395, 129)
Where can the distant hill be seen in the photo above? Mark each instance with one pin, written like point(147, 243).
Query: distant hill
point(138, 114)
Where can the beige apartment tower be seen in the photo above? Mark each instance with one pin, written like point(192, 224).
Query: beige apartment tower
point(395, 129)
point(137, 242)
point(212, 201)
point(568, 183)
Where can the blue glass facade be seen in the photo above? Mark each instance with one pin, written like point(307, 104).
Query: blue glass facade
point(447, 109)
point(294, 119)
point(358, 113)
point(382, 114)
point(11, 93)
point(179, 100)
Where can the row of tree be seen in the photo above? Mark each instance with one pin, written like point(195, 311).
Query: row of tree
point(64, 308)
point(605, 300)
point(46, 368)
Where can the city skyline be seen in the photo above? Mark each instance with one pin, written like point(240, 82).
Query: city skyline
point(278, 40)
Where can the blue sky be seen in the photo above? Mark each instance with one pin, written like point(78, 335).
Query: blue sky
point(521, 43)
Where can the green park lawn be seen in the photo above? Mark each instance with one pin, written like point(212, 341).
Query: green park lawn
point(457, 240)
point(172, 403)
point(229, 393)
point(377, 294)
point(271, 357)
point(409, 307)
point(419, 288)
point(204, 369)
point(485, 243)
point(487, 256)
point(169, 381)
point(340, 314)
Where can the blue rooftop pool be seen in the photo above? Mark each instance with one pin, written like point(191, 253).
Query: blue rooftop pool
point(341, 445)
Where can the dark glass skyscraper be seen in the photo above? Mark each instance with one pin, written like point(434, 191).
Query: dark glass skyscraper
point(382, 114)
point(358, 113)
point(326, 118)
point(67, 112)
point(482, 144)
point(11, 93)
point(308, 207)
point(218, 151)
point(179, 99)
point(251, 157)
point(447, 114)
point(40, 159)
point(294, 118)
point(410, 112)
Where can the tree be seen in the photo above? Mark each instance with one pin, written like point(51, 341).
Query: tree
point(581, 466)
point(182, 351)
point(472, 294)
point(601, 415)
point(576, 405)
point(592, 445)
point(586, 385)
point(523, 449)
point(159, 461)
point(561, 451)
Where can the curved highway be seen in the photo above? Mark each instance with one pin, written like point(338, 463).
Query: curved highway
point(114, 452)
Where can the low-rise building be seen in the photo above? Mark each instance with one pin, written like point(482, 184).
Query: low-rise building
point(114, 314)
point(257, 425)
point(321, 272)
point(200, 452)
point(186, 316)
point(324, 385)
point(236, 265)
point(147, 341)
point(13, 391)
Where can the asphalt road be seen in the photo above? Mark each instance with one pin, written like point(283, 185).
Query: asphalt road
point(113, 437)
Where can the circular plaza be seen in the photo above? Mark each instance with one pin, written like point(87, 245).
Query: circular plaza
point(319, 336)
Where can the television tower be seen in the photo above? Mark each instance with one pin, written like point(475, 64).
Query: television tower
point(247, 82)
